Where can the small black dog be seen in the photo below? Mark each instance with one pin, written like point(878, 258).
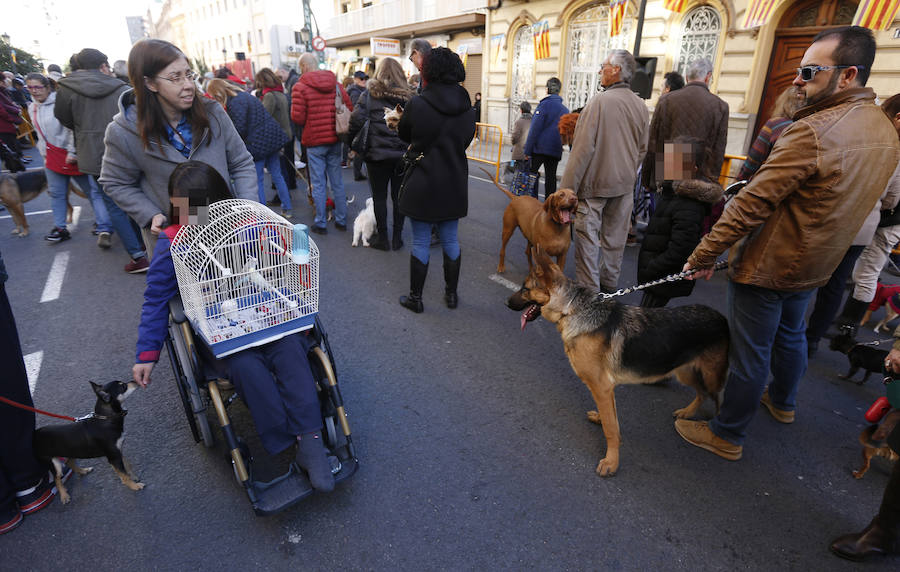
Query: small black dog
point(860, 356)
point(97, 435)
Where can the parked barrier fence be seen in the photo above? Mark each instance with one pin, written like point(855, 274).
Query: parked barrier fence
point(487, 145)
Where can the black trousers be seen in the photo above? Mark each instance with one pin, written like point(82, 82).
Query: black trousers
point(19, 469)
point(829, 296)
point(650, 300)
point(382, 173)
point(549, 164)
point(287, 165)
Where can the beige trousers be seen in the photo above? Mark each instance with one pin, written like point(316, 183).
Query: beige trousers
point(601, 230)
point(871, 261)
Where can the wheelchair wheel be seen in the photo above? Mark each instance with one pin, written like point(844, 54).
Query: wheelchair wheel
point(186, 370)
point(324, 371)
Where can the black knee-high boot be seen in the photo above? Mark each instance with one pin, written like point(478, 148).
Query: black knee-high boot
point(451, 280)
point(853, 312)
point(418, 270)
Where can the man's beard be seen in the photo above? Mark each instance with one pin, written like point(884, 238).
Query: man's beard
point(828, 91)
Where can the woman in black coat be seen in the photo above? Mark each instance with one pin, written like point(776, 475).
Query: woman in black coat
point(383, 148)
point(676, 226)
point(439, 124)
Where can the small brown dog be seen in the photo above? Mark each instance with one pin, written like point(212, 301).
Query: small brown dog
point(17, 189)
point(872, 439)
point(392, 116)
point(547, 224)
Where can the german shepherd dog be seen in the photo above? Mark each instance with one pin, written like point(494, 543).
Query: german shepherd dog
point(609, 344)
point(19, 188)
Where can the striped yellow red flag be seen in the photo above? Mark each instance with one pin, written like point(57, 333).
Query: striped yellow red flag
point(675, 5)
point(541, 35)
point(876, 14)
point(616, 17)
point(758, 13)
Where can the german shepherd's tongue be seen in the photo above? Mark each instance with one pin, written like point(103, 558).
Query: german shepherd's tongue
point(529, 314)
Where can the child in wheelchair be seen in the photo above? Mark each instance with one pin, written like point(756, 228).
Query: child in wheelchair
point(274, 380)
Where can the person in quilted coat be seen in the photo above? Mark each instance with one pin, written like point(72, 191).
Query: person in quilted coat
point(313, 108)
point(261, 133)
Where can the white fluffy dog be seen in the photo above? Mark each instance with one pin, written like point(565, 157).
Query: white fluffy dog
point(364, 225)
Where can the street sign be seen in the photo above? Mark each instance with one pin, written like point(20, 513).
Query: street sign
point(318, 43)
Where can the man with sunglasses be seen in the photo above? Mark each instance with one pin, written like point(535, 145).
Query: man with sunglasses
point(794, 220)
point(86, 102)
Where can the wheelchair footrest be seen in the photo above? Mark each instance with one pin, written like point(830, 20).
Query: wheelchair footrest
point(281, 493)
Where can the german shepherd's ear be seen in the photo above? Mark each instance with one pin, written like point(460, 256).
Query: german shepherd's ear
point(542, 260)
point(98, 389)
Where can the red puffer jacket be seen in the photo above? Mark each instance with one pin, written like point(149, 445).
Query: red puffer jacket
point(312, 107)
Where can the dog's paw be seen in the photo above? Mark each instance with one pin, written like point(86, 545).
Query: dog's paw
point(682, 413)
point(859, 474)
point(64, 496)
point(135, 486)
point(82, 471)
point(607, 467)
point(594, 417)
point(354, 243)
point(501, 268)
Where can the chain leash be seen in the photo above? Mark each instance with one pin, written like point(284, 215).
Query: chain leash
point(720, 265)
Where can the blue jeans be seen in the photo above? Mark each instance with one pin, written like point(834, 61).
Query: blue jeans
point(767, 334)
point(273, 164)
point(129, 233)
point(447, 231)
point(325, 164)
point(58, 186)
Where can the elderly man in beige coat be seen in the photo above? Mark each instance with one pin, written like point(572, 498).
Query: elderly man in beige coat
point(610, 142)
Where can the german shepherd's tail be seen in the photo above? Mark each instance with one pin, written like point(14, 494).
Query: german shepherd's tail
point(493, 180)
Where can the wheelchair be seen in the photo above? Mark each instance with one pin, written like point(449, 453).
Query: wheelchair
point(201, 389)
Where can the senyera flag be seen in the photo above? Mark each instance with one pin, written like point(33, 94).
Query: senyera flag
point(876, 14)
point(616, 17)
point(675, 5)
point(541, 34)
point(758, 13)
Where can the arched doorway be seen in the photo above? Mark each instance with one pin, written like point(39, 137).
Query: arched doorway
point(798, 26)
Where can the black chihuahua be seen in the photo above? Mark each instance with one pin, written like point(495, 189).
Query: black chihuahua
point(99, 434)
point(860, 356)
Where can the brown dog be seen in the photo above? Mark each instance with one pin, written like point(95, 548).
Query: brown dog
point(544, 224)
point(610, 344)
point(873, 438)
point(18, 189)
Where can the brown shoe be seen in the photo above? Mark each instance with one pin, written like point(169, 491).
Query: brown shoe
point(698, 433)
point(780, 415)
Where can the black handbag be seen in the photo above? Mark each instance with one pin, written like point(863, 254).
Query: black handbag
point(361, 142)
point(889, 217)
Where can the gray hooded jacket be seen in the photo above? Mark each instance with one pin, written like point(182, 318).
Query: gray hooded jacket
point(85, 103)
point(137, 179)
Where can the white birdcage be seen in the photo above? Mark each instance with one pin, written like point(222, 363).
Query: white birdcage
point(247, 277)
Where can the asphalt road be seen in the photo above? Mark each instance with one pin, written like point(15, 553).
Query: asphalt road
point(474, 447)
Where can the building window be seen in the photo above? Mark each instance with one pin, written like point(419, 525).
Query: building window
point(587, 44)
point(700, 32)
point(261, 43)
point(366, 3)
point(522, 86)
point(345, 7)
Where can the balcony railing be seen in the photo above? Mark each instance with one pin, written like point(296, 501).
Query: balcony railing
point(392, 13)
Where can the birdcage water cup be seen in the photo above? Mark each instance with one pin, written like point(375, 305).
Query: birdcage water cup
point(248, 277)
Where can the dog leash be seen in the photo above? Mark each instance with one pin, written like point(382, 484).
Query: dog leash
point(720, 265)
point(33, 410)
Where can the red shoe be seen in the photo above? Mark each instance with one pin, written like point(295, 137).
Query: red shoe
point(10, 519)
point(137, 265)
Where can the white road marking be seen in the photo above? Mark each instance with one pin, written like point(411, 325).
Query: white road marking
point(504, 282)
point(53, 286)
point(27, 214)
point(76, 214)
point(33, 367)
point(481, 179)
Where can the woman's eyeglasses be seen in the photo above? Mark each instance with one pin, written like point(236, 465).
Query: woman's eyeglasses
point(178, 77)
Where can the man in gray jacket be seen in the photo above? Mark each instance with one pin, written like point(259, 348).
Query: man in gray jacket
point(610, 141)
point(86, 102)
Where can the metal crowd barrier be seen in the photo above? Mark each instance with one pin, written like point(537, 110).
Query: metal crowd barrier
point(725, 176)
point(487, 145)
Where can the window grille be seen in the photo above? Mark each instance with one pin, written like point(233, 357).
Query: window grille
point(700, 32)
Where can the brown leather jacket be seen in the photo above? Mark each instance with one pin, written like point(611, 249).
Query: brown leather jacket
point(799, 214)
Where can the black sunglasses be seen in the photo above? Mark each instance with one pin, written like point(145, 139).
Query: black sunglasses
point(807, 73)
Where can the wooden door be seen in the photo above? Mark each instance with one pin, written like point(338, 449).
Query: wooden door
point(799, 25)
